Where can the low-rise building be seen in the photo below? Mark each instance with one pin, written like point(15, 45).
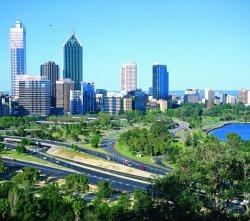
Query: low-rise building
point(191, 96)
point(112, 103)
point(163, 105)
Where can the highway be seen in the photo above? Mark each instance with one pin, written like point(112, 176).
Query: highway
point(118, 182)
point(111, 155)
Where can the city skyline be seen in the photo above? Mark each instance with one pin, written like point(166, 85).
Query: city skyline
point(188, 57)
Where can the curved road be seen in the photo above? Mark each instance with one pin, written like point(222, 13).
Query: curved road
point(117, 182)
point(109, 146)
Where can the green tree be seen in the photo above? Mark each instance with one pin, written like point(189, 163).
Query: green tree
point(95, 140)
point(21, 149)
point(21, 132)
point(76, 184)
point(2, 167)
point(74, 147)
point(143, 206)
point(78, 206)
point(4, 208)
point(1, 147)
point(25, 141)
point(104, 190)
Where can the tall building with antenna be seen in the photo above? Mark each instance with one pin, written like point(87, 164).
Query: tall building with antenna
point(17, 53)
point(72, 61)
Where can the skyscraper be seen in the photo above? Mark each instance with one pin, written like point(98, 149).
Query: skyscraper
point(129, 77)
point(88, 97)
point(72, 57)
point(17, 53)
point(243, 96)
point(209, 97)
point(63, 88)
point(34, 95)
point(160, 85)
point(51, 72)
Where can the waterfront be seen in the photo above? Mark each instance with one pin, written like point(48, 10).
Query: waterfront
point(242, 129)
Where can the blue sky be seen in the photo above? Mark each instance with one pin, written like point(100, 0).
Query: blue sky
point(203, 43)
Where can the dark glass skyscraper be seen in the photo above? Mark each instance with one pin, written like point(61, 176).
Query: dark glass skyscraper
point(72, 57)
point(160, 85)
point(51, 71)
point(88, 97)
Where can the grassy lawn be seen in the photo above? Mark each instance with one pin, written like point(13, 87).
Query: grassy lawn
point(29, 158)
point(126, 152)
point(211, 122)
point(87, 146)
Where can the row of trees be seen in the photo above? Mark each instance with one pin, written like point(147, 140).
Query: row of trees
point(22, 199)
point(10, 121)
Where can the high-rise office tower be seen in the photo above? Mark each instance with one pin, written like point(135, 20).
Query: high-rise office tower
point(243, 96)
point(88, 97)
point(129, 77)
point(34, 95)
point(160, 85)
point(72, 60)
point(17, 53)
point(51, 71)
point(63, 88)
point(209, 97)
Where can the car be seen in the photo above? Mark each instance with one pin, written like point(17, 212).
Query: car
point(129, 164)
point(45, 158)
point(57, 161)
point(143, 167)
point(108, 157)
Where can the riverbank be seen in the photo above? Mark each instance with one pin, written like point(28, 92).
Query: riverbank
point(242, 129)
point(223, 124)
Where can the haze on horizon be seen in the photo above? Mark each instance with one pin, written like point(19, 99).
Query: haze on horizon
point(204, 44)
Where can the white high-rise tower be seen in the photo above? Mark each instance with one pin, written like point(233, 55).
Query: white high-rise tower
point(17, 53)
point(129, 77)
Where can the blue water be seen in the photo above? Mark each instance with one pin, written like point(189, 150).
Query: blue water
point(243, 130)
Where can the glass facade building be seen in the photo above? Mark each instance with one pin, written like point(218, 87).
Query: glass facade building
point(88, 97)
point(75, 102)
point(17, 53)
point(160, 87)
point(72, 57)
